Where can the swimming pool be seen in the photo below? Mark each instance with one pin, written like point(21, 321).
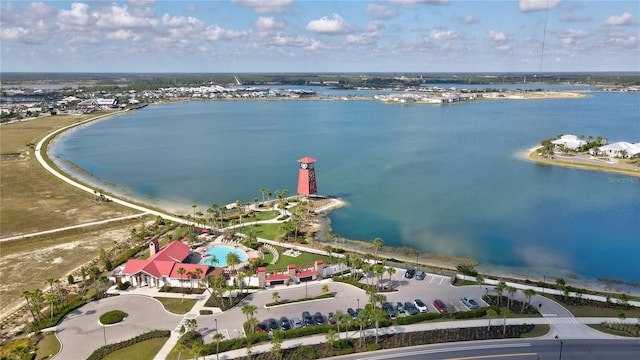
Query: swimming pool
point(220, 252)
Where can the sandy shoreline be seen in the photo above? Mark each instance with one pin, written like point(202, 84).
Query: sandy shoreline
point(580, 162)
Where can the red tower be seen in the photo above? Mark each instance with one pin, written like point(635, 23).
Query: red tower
point(307, 177)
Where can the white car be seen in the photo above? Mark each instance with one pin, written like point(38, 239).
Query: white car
point(470, 302)
point(421, 306)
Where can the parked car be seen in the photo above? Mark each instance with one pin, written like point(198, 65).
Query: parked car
point(420, 305)
point(410, 273)
point(440, 305)
point(470, 302)
point(307, 319)
point(263, 327)
point(400, 307)
point(331, 319)
point(318, 318)
point(411, 309)
point(352, 312)
point(390, 310)
point(420, 275)
point(284, 323)
point(296, 323)
point(273, 324)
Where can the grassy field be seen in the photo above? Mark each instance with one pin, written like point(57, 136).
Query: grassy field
point(48, 346)
point(177, 305)
point(145, 350)
point(33, 200)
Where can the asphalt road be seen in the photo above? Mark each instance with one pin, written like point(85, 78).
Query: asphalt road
point(514, 349)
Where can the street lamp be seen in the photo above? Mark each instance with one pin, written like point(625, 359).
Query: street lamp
point(417, 254)
point(216, 320)
point(560, 357)
point(358, 304)
point(104, 331)
point(544, 282)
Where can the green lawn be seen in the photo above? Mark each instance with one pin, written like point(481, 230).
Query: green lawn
point(302, 259)
point(265, 231)
point(178, 306)
point(145, 350)
point(538, 330)
point(47, 346)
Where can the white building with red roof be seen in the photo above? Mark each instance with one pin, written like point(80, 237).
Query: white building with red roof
point(163, 268)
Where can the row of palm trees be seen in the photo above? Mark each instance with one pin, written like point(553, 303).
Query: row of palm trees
point(502, 287)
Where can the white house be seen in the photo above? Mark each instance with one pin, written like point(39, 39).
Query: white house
point(619, 149)
point(569, 141)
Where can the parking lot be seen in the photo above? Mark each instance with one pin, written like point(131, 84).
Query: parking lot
point(429, 289)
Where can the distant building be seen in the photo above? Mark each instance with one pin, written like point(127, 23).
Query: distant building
point(621, 149)
point(569, 141)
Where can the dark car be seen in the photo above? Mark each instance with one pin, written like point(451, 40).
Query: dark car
point(331, 319)
point(390, 310)
point(273, 324)
point(352, 313)
point(400, 307)
point(411, 309)
point(410, 273)
point(439, 305)
point(263, 327)
point(420, 275)
point(306, 317)
point(319, 319)
point(284, 323)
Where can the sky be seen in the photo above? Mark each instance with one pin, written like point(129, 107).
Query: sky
point(320, 36)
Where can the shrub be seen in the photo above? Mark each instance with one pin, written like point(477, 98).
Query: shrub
point(206, 312)
point(102, 352)
point(112, 317)
point(124, 285)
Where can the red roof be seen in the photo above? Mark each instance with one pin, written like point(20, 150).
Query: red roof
point(165, 262)
point(306, 273)
point(307, 159)
point(276, 277)
point(292, 266)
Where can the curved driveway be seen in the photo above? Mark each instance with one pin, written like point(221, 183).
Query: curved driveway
point(80, 332)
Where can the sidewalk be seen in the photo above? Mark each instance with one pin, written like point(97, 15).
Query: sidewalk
point(564, 328)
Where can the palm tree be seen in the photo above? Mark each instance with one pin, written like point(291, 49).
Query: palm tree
point(249, 310)
point(377, 315)
point(232, 260)
point(276, 343)
point(512, 291)
point(217, 337)
point(197, 272)
point(275, 296)
point(379, 270)
point(181, 271)
point(51, 297)
point(377, 245)
point(331, 337)
point(499, 289)
point(491, 314)
point(390, 270)
point(505, 312)
point(27, 295)
point(528, 293)
point(362, 319)
point(325, 288)
point(345, 319)
point(252, 322)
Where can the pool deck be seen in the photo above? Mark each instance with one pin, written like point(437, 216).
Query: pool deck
point(220, 241)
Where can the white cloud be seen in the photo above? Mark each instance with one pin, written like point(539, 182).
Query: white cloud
point(215, 33)
point(118, 17)
point(268, 23)
point(624, 19)
point(364, 38)
point(120, 35)
point(78, 15)
point(497, 36)
point(538, 5)
point(412, 3)
point(503, 47)
point(381, 12)
point(571, 18)
point(265, 6)
point(324, 25)
point(444, 35)
point(469, 19)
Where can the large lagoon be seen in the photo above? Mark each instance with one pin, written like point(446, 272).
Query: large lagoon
point(443, 179)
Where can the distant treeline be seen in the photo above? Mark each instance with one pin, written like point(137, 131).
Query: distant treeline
point(148, 81)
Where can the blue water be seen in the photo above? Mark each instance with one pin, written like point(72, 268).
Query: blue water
point(220, 252)
point(443, 179)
